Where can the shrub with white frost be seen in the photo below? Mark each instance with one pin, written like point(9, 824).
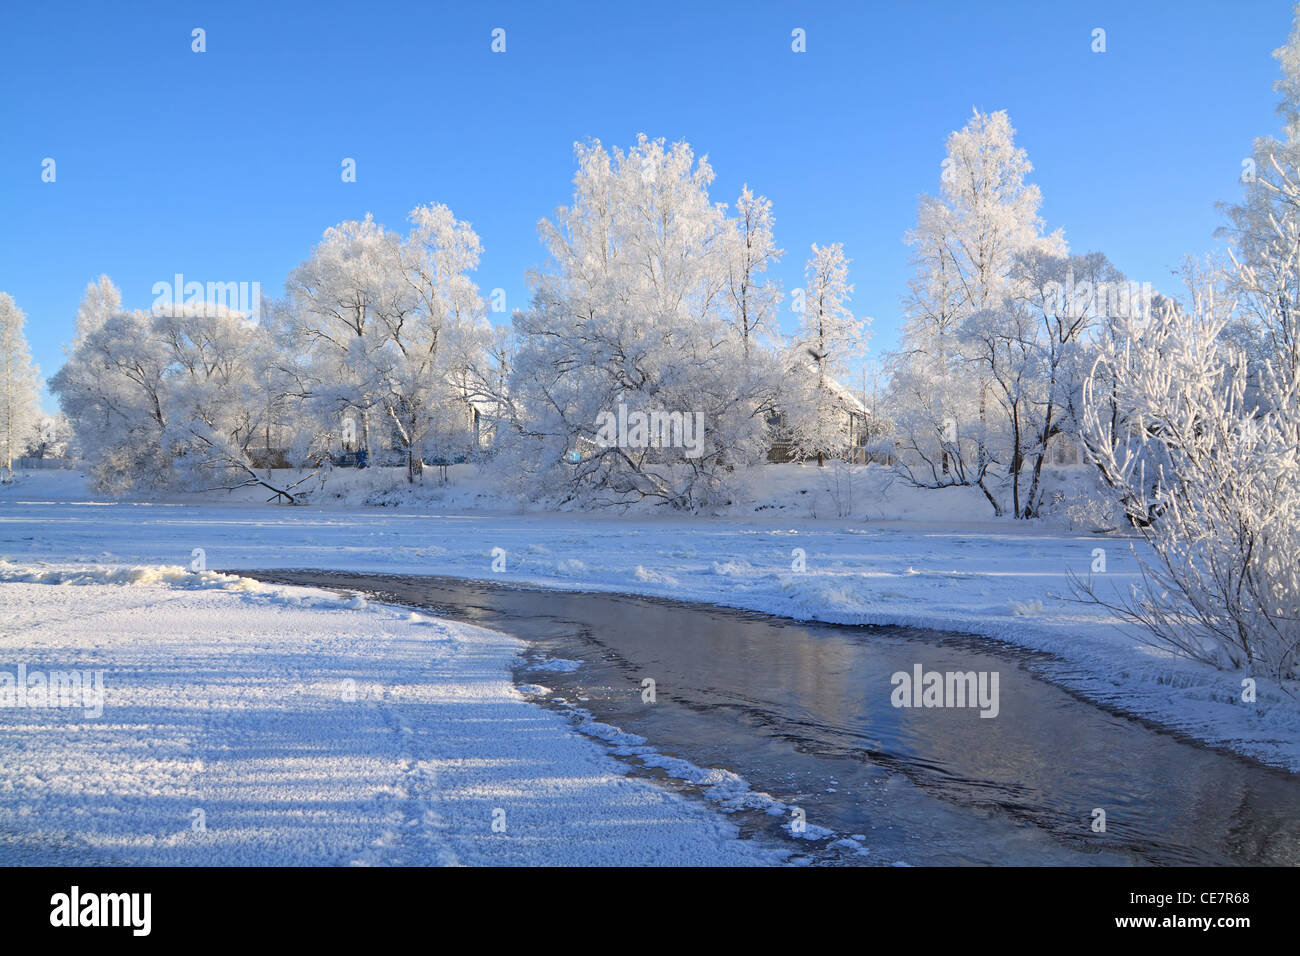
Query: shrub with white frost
point(1202, 446)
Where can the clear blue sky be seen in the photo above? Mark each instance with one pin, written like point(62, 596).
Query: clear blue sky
point(225, 165)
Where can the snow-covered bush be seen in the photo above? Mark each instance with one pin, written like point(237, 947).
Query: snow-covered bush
point(1208, 446)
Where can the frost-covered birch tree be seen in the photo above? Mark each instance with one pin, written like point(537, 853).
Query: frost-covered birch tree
point(19, 387)
point(100, 301)
point(966, 241)
point(754, 296)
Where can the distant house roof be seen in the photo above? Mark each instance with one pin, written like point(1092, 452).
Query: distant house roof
point(802, 361)
point(845, 395)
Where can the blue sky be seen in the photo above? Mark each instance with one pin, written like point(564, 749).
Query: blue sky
point(225, 165)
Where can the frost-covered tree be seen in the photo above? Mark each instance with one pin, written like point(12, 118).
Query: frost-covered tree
point(828, 339)
point(343, 301)
point(1268, 207)
point(111, 389)
point(429, 357)
point(1034, 349)
point(931, 390)
point(101, 300)
point(987, 212)
point(386, 325)
point(967, 242)
point(172, 398)
point(634, 309)
point(1193, 420)
point(19, 387)
point(53, 438)
point(754, 297)
point(215, 416)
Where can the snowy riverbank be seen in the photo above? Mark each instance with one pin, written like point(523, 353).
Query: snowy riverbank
point(250, 724)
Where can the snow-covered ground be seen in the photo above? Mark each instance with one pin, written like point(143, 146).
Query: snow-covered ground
point(938, 561)
point(243, 723)
point(261, 669)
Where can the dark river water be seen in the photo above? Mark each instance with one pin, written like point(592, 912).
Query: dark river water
point(803, 712)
